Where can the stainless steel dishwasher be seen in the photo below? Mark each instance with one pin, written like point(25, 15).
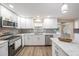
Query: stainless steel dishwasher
point(47, 39)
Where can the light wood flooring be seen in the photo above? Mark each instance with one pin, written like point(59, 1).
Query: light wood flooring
point(36, 51)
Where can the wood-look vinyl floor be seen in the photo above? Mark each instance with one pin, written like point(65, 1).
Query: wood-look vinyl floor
point(36, 51)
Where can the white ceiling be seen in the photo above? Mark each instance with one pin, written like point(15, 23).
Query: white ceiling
point(44, 9)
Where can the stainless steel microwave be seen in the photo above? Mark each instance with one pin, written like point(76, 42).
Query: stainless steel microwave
point(6, 23)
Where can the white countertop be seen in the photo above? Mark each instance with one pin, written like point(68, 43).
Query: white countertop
point(42, 33)
point(3, 41)
point(72, 49)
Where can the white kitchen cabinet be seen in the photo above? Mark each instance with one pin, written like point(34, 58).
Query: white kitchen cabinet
point(4, 49)
point(50, 23)
point(29, 23)
point(19, 22)
point(14, 17)
point(17, 43)
point(29, 39)
point(39, 40)
point(23, 39)
point(25, 23)
point(76, 24)
point(6, 13)
point(34, 39)
point(57, 51)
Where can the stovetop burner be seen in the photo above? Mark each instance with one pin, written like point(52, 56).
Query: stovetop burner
point(13, 37)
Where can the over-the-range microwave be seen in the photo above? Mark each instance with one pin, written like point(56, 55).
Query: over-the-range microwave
point(6, 23)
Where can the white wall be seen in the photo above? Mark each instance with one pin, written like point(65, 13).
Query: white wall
point(50, 23)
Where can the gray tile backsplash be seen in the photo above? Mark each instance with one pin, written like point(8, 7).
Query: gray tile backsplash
point(32, 30)
point(25, 30)
point(76, 30)
point(50, 30)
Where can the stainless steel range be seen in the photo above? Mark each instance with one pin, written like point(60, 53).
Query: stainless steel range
point(12, 44)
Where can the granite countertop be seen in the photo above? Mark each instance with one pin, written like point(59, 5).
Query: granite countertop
point(4, 37)
point(72, 49)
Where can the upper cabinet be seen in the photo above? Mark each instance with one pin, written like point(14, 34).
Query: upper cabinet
point(50, 23)
point(8, 16)
point(25, 23)
point(6, 13)
point(76, 25)
point(11, 16)
point(29, 23)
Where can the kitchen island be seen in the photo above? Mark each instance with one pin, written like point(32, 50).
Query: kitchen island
point(60, 48)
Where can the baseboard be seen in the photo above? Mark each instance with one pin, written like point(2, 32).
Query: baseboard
point(48, 45)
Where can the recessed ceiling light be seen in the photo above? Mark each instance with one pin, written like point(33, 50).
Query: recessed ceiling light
point(11, 6)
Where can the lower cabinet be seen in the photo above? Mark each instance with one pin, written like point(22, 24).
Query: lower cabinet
point(34, 40)
point(23, 38)
point(57, 51)
point(17, 44)
point(4, 49)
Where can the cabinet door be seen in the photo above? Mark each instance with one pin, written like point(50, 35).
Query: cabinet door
point(6, 13)
point(14, 17)
point(23, 23)
point(59, 51)
point(23, 39)
point(34, 40)
point(28, 39)
point(29, 23)
point(19, 22)
point(39, 40)
point(17, 43)
point(4, 50)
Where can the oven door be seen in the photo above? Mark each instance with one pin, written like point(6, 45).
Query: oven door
point(17, 44)
point(11, 49)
